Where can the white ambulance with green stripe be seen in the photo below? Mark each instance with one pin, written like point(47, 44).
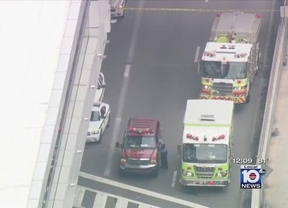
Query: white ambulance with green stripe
point(206, 145)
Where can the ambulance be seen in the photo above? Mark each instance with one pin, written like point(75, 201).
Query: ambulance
point(206, 144)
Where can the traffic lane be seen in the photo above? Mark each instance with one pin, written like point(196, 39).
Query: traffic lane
point(95, 155)
point(162, 78)
point(148, 48)
point(171, 38)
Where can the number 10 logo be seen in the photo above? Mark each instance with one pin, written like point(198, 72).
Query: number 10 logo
point(250, 178)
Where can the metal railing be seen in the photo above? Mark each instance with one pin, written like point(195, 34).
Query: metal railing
point(258, 195)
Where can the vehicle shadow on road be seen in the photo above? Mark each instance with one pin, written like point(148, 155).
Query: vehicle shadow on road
point(206, 191)
point(240, 108)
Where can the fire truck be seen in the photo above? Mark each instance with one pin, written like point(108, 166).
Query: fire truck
point(206, 144)
point(139, 148)
point(230, 60)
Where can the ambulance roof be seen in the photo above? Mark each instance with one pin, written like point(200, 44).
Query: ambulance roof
point(208, 113)
point(232, 52)
point(213, 135)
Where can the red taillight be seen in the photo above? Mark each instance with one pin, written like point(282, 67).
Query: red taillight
point(206, 80)
point(218, 14)
point(239, 81)
point(196, 138)
point(259, 16)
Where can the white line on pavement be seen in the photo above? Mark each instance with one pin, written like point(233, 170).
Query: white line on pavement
point(174, 179)
point(197, 54)
point(127, 70)
point(140, 190)
point(121, 199)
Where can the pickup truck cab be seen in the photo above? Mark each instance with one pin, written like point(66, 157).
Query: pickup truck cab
point(139, 148)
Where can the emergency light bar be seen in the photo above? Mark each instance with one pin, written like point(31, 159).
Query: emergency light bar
point(190, 136)
point(210, 54)
point(141, 130)
point(240, 55)
point(222, 136)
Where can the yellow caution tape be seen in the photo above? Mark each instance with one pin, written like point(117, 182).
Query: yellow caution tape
point(194, 10)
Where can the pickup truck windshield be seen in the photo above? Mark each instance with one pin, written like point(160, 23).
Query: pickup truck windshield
point(230, 70)
point(204, 153)
point(140, 142)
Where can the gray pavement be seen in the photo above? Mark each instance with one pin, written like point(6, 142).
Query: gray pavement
point(276, 193)
point(162, 77)
point(133, 195)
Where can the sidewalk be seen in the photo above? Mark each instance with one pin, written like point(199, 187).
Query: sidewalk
point(276, 192)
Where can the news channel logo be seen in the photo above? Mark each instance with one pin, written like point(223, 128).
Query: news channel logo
point(250, 176)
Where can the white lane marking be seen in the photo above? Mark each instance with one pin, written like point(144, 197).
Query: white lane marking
point(112, 146)
point(206, 1)
point(259, 55)
point(113, 21)
point(127, 70)
point(174, 179)
point(121, 203)
point(119, 198)
point(100, 200)
point(140, 190)
point(143, 206)
point(197, 54)
point(123, 92)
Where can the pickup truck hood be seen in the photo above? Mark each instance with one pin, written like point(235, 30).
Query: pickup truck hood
point(139, 153)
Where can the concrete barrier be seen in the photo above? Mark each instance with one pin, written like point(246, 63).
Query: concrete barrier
point(258, 195)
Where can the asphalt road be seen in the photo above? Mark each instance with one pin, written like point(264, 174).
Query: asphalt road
point(162, 77)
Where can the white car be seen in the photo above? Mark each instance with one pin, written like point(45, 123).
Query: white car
point(98, 123)
point(100, 88)
point(117, 8)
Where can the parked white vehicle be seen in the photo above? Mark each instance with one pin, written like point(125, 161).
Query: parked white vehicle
point(117, 8)
point(99, 121)
point(100, 88)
